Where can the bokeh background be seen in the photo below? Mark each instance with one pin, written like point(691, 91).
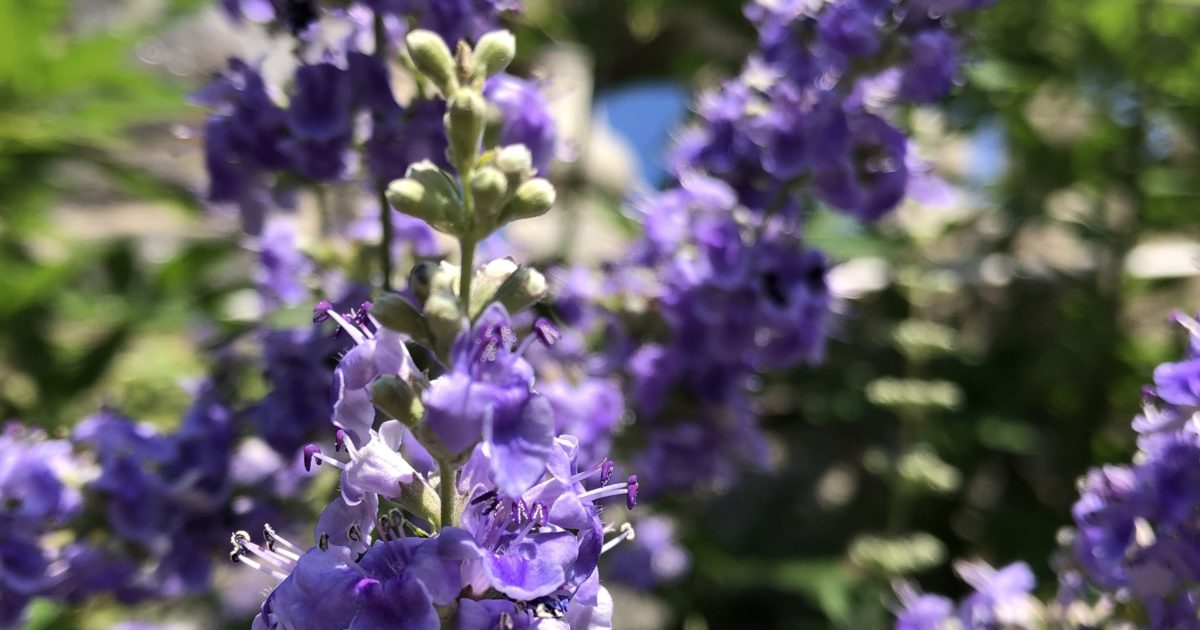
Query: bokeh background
point(1004, 331)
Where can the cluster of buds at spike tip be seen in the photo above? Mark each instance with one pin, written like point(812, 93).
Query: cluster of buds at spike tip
point(494, 186)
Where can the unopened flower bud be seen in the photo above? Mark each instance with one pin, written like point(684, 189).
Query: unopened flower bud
point(464, 127)
point(489, 186)
point(493, 52)
point(395, 398)
point(432, 58)
point(444, 278)
point(487, 280)
point(427, 194)
point(396, 313)
point(445, 320)
point(533, 198)
point(522, 289)
point(516, 162)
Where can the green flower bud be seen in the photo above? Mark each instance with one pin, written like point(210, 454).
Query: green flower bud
point(444, 279)
point(490, 187)
point(493, 128)
point(493, 52)
point(396, 313)
point(445, 320)
point(427, 194)
point(487, 280)
point(421, 499)
point(533, 199)
point(516, 163)
point(396, 399)
point(522, 289)
point(515, 159)
point(464, 127)
point(432, 58)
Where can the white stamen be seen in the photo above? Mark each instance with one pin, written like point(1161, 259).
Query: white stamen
point(603, 493)
point(280, 539)
point(279, 575)
point(627, 533)
point(354, 331)
point(331, 461)
point(266, 555)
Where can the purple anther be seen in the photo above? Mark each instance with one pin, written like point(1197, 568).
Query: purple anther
point(362, 315)
point(538, 515)
point(339, 441)
point(520, 512)
point(507, 336)
point(631, 492)
point(606, 471)
point(546, 331)
point(321, 311)
point(309, 451)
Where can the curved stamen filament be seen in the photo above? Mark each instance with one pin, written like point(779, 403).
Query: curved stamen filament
point(627, 533)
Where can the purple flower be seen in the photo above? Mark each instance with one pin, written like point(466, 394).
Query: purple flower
point(399, 603)
point(525, 117)
point(932, 64)
point(850, 29)
point(1178, 383)
point(1001, 598)
point(318, 593)
point(283, 267)
point(376, 352)
point(590, 410)
point(399, 140)
point(167, 493)
point(297, 404)
point(870, 177)
point(244, 140)
point(488, 395)
point(376, 468)
point(923, 612)
point(33, 497)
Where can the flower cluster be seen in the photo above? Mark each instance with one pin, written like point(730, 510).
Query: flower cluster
point(166, 496)
point(529, 560)
point(812, 107)
point(458, 499)
point(723, 261)
point(338, 118)
point(1135, 525)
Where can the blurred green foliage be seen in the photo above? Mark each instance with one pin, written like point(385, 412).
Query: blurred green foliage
point(70, 98)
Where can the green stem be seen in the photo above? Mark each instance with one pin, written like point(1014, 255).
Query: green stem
point(465, 274)
point(385, 244)
point(466, 245)
point(385, 215)
point(447, 491)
